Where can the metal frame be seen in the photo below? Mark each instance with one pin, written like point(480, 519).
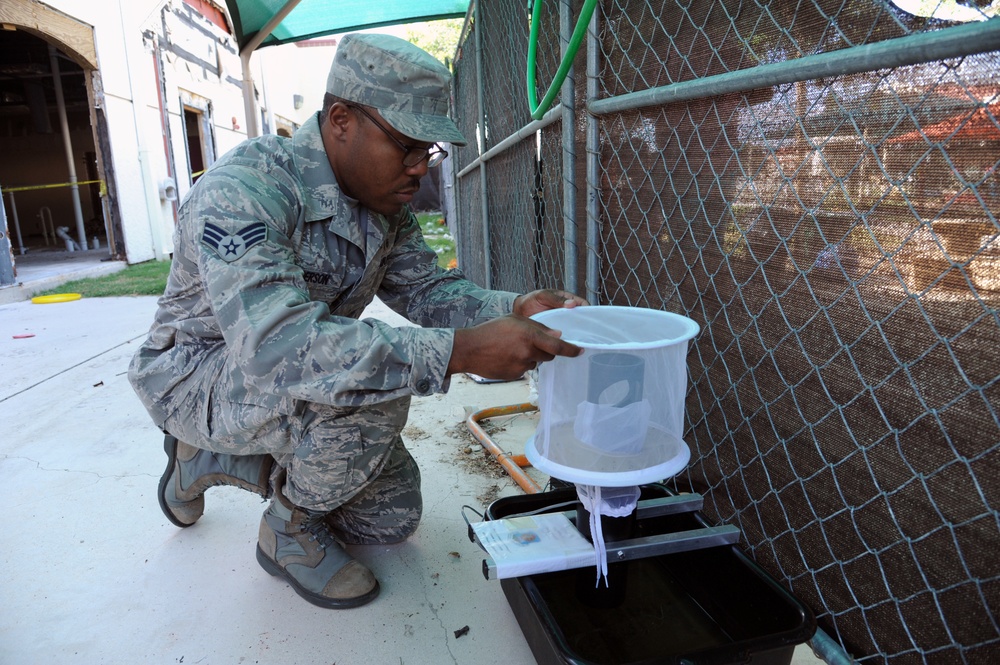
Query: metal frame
point(667, 543)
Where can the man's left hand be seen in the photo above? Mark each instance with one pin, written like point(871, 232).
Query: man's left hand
point(545, 299)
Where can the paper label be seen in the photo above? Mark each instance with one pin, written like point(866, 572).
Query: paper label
point(535, 544)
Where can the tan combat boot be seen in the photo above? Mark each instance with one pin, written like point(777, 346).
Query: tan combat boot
point(298, 545)
point(190, 471)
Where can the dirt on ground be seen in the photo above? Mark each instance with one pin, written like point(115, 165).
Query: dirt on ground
point(473, 458)
point(468, 454)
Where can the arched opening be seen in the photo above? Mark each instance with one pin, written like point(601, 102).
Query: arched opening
point(54, 179)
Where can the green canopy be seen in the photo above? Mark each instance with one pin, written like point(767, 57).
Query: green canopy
point(304, 19)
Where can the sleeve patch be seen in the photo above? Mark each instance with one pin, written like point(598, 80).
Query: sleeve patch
point(230, 247)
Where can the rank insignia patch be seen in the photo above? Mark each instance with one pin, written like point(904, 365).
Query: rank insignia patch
point(230, 247)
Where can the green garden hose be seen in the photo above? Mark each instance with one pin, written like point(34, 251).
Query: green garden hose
point(538, 110)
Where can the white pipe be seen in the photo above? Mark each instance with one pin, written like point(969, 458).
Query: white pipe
point(48, 228)
point(74, 189)
point(267, 102)
point(71, 245)
point(249, 103)
point(135, 61)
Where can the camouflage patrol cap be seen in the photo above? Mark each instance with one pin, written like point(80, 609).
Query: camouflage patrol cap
point(407, 85)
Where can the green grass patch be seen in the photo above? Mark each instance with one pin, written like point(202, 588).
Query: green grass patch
point(140, 279)
point(438, 236)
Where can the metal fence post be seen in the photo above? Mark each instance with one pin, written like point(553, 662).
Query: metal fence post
point(481, 98)
point(6, 251)
point(593, 167)
point(568, 154)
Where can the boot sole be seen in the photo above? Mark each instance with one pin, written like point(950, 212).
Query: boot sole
point(161, 495)
point(274, 569)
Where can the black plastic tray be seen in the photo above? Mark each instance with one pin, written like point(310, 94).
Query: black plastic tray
point(713, 606)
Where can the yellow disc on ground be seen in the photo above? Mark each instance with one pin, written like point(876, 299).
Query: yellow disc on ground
point(55, 297)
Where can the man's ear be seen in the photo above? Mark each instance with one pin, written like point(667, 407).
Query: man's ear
point(339, 118)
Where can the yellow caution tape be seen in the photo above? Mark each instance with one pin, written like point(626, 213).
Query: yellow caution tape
point(29, 188)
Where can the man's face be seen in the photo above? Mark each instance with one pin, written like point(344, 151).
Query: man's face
point(370, 167)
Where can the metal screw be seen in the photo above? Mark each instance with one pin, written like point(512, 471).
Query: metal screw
point(621, 555)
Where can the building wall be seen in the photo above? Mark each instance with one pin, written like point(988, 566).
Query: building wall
point(155, 56)
point(127, 94)
point(296, 69)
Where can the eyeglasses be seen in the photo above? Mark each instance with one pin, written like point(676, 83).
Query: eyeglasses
point(412, 155)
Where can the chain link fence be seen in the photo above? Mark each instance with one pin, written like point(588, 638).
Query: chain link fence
point(520, 191)
point(816, 184)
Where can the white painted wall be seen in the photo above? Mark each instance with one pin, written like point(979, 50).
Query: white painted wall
point(290, 70)
point(127, 68)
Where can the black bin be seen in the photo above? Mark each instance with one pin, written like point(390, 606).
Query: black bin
point(712, 606)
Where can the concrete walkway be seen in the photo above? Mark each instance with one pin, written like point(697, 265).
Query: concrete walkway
point(93, 572)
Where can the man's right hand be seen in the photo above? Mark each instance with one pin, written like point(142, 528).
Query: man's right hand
point(506, 347)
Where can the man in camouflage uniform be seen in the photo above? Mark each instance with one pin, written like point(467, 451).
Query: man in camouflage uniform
point(257, 366)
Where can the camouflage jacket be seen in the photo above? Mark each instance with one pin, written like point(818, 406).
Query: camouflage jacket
point(270, 261)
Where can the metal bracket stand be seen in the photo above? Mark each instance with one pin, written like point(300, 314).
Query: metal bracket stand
point(657, 545)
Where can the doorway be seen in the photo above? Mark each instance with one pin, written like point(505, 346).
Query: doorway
point(199, 138)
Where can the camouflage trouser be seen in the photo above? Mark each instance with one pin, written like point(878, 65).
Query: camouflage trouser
point(349, 462)
point(387, 510)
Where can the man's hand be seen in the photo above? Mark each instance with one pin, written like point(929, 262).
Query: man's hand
point(544, 299)
point(507, 347)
